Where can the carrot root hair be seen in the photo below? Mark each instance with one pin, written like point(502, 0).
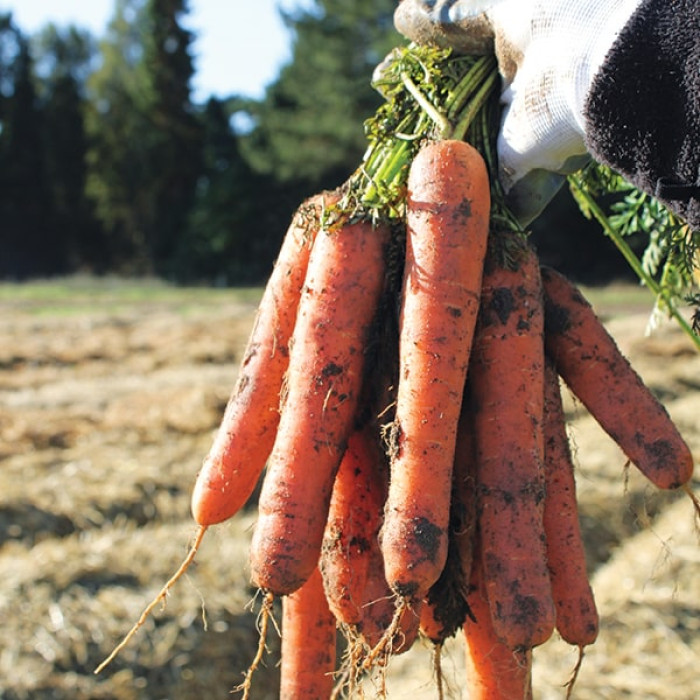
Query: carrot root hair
point(383, 649)
point(437, 670)
point(162, 595)
point(695, 501)
point(574, 673)
point(263, 623)
point(350, 671)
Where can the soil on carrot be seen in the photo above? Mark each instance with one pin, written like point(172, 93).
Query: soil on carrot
point(106, 412)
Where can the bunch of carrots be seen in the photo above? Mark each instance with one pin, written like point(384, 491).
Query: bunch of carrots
point(401, 391)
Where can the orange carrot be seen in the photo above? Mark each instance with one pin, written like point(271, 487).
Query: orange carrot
point(354, 519)
point(308, 643)
point(577, 618)
point(463, 506)
point(445, 607)
point(430, 626)
point(507, 395)
point(247, 431)
point(336, 311)
point(381, 627)
point(447, 225)
point(591, 364)
point(494, 670)
point(377, 601)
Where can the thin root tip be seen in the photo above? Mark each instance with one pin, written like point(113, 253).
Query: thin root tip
point(162, 595)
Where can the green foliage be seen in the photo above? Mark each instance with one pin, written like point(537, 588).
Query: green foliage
point(430, 93)
point(116, 120)
point(669, 263)
point(228, 238)
point(146, 138)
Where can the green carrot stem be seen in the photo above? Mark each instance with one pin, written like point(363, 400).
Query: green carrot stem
point(390, 164)
point(426, 105)
point(471, 81)
point(430, 94)
point(479, 100)
point(592, 206)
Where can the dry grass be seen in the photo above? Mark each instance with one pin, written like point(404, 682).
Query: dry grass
point(105, 415)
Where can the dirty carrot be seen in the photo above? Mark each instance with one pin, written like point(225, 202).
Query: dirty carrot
point(354, 519)
point(247, 431)
point(577, 618)
point(445, 608)
point(324, 379)
point(308, 643)
point(589, 361)
point(447, 204)
point(463, 513)
point(507, 395)
point(388, 626)
point(494, 670)
point(431, 627)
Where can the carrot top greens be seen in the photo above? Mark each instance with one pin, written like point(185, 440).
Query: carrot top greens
point(430, 93)
point(670, 262)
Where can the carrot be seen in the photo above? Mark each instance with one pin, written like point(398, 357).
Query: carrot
point(589, 361)
point(354, 519)
point(445, 607)
point(447, 226)
point(324, 379)
point(464, 491)
point(384, 629)
point(431, 626)
point(308, 643)
point(494, 670)
point(577, 618)
point(507, 397)
point(247, 431)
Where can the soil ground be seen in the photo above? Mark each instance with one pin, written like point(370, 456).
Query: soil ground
point(109, 396)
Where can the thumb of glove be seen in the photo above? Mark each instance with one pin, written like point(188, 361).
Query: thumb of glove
point(456, 24)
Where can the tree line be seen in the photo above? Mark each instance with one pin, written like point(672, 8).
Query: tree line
point(108, 165)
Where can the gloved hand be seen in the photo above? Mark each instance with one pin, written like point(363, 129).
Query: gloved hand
point(604, 77)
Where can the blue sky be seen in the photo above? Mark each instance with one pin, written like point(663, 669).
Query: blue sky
point(240, 44)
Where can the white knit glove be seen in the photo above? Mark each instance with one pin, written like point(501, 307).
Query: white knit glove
point(549, 52)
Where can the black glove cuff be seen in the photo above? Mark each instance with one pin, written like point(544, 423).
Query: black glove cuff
point(643, 110)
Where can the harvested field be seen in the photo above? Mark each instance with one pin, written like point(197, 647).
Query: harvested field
point(109, 396)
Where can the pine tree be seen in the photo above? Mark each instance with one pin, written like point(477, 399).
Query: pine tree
point(174, 148)
point(27, 248)
point(64, 59)
point(219, 237)
point(117, 125)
